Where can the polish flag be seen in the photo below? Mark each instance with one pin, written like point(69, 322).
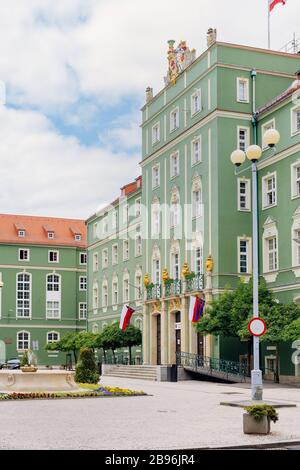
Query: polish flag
point(196, 309)
point(273, 3)
point(126, 314)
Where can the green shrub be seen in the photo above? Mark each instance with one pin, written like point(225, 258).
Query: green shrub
point(86, 369)
point(24, 359)
point(258, 411)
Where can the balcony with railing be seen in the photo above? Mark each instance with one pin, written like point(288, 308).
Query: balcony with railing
point(195, 284)
point(153, 292)
point(173, 288)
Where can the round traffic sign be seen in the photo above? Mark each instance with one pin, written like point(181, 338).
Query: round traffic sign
point(257, 327)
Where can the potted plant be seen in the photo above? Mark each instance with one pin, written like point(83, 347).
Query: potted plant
point(258, 419)
point(28, 362)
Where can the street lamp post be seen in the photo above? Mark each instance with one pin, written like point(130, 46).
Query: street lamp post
point(238, 157)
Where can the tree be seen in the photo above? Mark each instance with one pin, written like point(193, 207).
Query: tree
point(132, 336)
point(111, 338)
point(73, 341)
point(86, 369)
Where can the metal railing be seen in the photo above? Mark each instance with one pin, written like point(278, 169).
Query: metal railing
point(154, 292)
point(195, 283)
point(220, 368)
point(173, 288)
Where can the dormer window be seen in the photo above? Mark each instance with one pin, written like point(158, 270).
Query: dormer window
point(50, 235)
point(77, 238)
point(21, 233)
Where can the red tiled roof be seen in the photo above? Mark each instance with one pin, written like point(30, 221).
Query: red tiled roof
point(131, 187)
point(278, 99)
point(36, 229)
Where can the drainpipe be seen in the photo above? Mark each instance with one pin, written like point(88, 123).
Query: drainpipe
point(254, 115)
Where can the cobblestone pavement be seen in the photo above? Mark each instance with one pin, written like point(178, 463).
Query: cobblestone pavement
point(176, 415)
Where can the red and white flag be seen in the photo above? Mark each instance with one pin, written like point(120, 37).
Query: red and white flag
point(273, 3)
point(196, 309)
point(126, 315)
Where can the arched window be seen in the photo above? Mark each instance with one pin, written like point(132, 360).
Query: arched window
point(53, 337)
point(197, 254)
point(53, 283)
point(115, 290)
point(23, 295)
point(95, 328)
point(175, 259)
point(196, 196)
point(104, 294)
point(139, 323)
point(95, 295)
point(23, 340)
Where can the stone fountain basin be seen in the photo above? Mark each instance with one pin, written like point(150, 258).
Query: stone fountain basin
point(40, 381)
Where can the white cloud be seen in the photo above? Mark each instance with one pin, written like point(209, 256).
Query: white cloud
point(43, 172)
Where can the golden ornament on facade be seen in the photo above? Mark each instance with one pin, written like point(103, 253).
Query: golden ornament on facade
point(165, 275)
point(146, 280)
point(209, 264)
point(185, 270)
point(156, 307)
point(175, 305)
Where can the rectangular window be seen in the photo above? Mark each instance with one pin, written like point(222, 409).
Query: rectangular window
point(295, 118)
point(77, 238)
point(82, 310)
point(295, 174)
point(138, 245)
point(114, 254)
point(23, 295)
point(156, 133)
point(95, 262)
point(243, 90)
point(196, 102)
point(23, 341)
point(174, 163)
point(156, 271)
point(138, 206)
point(197, 203)
point(104, 295)
point(243, 256)
point(95, 230)
point(126, 290)
point(198, 260)
point(53, 309)
point(155, 176)
point(83, 258)
point(53, 256)
point(115, 293)
point(125, 250)
point(272, 254)
point(175, 267)
point(174, 119)
point(125, 214)
point(82, 283)
point(243, 138)
point(21, 233)
point(115, 219)
point(105, 258)
point(196, 151)
point(50, 235)
point(24, 255)
point(244, 194)
point(269, 191)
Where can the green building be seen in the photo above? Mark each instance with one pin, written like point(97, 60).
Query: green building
point(115, 262)
point(42, 284)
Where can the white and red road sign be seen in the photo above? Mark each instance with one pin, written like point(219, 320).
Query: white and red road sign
point(257, 327)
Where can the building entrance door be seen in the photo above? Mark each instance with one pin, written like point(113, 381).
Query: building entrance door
point(178, 332)
point(158, 339)
point(200, 344)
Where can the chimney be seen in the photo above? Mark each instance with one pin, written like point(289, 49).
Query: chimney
point(149, 94)
point(211, 36)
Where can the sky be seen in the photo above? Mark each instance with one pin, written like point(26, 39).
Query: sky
point(75, 73)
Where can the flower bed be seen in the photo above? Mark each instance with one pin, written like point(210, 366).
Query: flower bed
point(90, 392)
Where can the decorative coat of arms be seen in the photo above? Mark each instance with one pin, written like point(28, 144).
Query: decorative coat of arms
point(179, 59)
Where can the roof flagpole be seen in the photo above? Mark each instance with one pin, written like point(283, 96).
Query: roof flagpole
point(269, 25)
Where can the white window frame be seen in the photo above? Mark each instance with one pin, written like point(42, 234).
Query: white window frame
point(294, 130)
point(53, 295)
point(21, 233)
point(84, 255)
point(51, 333)
point(105, 258)
point(104, 296)
point(197, 259)
point(29, 298)
point(138, 207)
point(77, 237)
point(156, 133)
point(95, 296)
point(28, 340)
point(271, 124)
point(174, 164)
point(50, 235)
point(138, 244)
point(95, 262)
point(274, 251)
point(82, 283)
point(247, 182)
point(57, 256)
point(115, 291)
point(248, 241)
point(126, 249)
point(156, 271)
point(156, 177)
point(28, 254)
point(294, 180)
point(175, 214)
point(50, 310)
point(238, 81)
point(174, 125)
point(247, 137)
point(197, 204)
point(82, 311)
point(126, 288)
point(95, 230)
point(197, 94)
point(115, 254)
point(265, 191)
point(175, 265)
point(125, 214)
point(198, 140)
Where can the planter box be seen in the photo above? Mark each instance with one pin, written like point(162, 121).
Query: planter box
point(28, 369)
point(256, 426)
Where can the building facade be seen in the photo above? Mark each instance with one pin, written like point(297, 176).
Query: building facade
point(42, 284)
point(115, 262)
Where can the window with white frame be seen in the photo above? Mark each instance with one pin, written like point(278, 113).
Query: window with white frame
point(138, 206)
point(53, 296)
point(53, 256)
point(52, 337)
point(95, 297)
point(196, 102)
point(198, 260)
point(105, 225)
point(155, 176)
point(138, 285)
point(24, 254)
point(175, 266)
point(156, 133)
point(243, 138)
point(272, 253)
point(95, 328)
point(77, 237)
point(114, 217)
point(50, 235)
point(295, 120)
point(197, 202)
point(23, 340)
point(82, 310)
point(243, 255)
point(82, 258)
point(139, 323)
point(174, 119)
point(53, 283)
point(126, 290)
point(105, 258)
point(174, 164)
point(156, 271)
point(104, 294)
point(114, 254)
point(82, 283)
point(21, 233)
point(296, 240)
point(244, 196)
point(23, 295)
point(196, 150)
point(115, 292)
point(95, 230)
point(125, 250)
point(264, 128)
point(269, 190)
point(138, 244)
point(125, 214)
point(155, 217)
point(95, 262)
point(242, 90)
point(295, 173)
point(52, 309)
